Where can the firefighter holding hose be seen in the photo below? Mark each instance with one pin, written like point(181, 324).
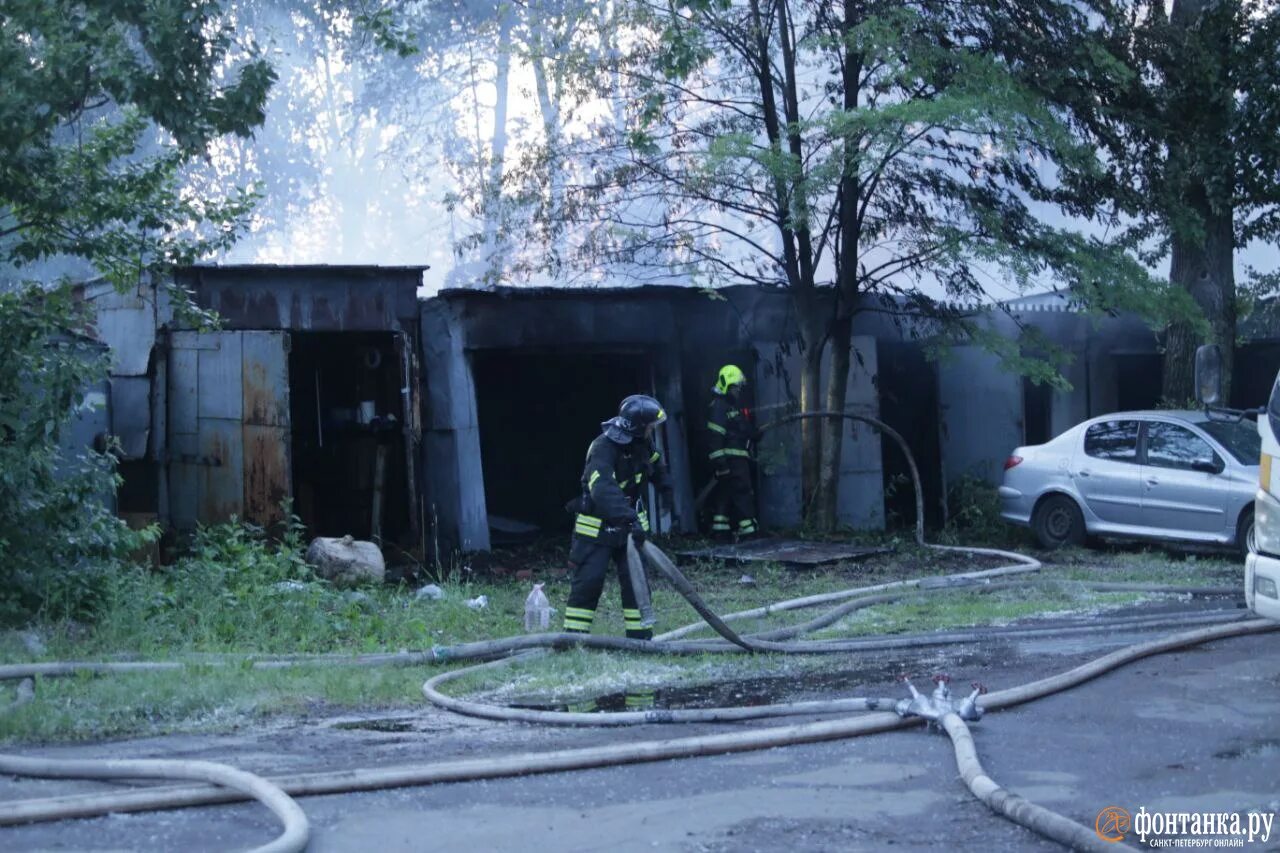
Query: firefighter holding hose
point(730, 430)
point(621, 462)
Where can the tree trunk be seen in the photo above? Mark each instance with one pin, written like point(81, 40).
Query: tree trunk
point(494, 260)
point(1202, 265)
point(549, 106)
point(1200, 163)
point(826, 504)
point(810, 428)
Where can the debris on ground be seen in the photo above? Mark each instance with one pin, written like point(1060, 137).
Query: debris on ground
point(431, 592)
point(747, 580)
point(480, 602)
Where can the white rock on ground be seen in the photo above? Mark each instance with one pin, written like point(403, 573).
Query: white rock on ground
point(430, 591)
point(347, 561)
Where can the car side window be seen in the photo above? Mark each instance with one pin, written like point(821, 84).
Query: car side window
point(1114, 440)
point(1173, 446)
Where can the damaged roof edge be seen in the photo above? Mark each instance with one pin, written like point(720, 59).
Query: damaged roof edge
point(336, 268)
point(599, 291)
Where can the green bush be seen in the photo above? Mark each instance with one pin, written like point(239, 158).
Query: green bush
point(973, 512)
point(59, 540)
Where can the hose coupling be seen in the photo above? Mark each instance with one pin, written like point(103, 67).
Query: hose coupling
point(940, 703)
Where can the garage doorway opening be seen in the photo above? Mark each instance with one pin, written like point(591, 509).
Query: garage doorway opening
point(539, 409)
point(350, 474)
point(907, 383)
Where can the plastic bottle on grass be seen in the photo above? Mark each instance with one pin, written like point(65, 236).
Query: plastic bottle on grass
point(537, 610)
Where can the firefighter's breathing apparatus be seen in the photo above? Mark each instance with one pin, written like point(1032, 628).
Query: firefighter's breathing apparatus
point(869, 715)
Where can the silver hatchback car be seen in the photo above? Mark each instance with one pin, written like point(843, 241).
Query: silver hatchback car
point(1166, 475)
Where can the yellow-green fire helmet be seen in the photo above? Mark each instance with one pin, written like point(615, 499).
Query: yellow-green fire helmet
point(730, 375)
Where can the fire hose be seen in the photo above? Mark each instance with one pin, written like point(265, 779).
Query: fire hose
point(234, 785)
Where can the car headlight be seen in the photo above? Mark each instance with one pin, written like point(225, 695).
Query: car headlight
point(1264, 586)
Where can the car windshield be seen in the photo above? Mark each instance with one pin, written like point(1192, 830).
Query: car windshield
point(1240, 438)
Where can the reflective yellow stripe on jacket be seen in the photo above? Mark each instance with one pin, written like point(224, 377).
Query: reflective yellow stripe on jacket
point(587, 525)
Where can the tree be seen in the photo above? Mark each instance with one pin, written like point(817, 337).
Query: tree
point(865, 155)
point(1185, 107)
point(103, 107)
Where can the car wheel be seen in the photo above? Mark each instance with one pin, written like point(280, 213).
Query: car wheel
point(1246, 535)
point(1058, 523)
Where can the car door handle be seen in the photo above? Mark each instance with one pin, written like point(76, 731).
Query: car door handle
point(1152, 481)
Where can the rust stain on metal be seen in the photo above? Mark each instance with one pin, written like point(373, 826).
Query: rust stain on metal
point(322, 314)
point(260, 403)
point(211, 508)
point(266, 473)
point(230, 302)
point(262, 309)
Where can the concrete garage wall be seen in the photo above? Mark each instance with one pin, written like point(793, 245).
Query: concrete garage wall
point(981, 407)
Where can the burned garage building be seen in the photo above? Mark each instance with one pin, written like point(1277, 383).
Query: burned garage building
point(454, 422)
point(435, 424)
point(518, 381)
point(307, 391)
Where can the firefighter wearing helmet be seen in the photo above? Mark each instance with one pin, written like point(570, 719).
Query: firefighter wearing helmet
point(730, 430)
point(621, 462)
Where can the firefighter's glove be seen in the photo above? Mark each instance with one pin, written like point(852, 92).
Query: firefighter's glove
point(638, 534)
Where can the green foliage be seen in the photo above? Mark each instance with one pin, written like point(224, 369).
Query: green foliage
point(103, 106)
point(58, 539)
point(240, 590)
point(973, 513)
point(893, 154)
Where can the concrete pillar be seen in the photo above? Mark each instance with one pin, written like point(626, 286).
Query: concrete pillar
point(670, 390)
point(453, 479)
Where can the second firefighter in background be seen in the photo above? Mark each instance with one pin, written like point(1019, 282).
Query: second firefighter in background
point(620, 464)
point(730, 431)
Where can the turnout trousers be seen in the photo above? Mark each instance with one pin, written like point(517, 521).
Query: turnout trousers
point(733, 503)
point(589, 564)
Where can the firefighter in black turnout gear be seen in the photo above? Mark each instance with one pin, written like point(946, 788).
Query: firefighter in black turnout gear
point(620, 464)
point(730, 429)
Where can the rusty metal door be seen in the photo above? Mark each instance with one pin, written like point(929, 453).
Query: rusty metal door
point(228, 426)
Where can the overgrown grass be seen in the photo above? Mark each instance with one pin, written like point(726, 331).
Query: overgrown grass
point(238, 593)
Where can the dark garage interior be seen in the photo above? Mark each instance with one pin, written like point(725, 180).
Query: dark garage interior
point(538, 412)
point(347, 432)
